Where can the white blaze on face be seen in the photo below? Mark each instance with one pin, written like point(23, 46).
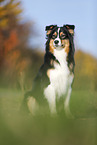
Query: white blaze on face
point(57, 41)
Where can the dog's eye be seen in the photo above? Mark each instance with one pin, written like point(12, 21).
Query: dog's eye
point(63, 36)
point(53, 36)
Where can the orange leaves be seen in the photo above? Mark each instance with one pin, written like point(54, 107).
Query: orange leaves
point(7, 9)
point(11, 42)
point(15, 55)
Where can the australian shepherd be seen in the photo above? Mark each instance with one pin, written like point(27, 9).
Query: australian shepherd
point(53, 83)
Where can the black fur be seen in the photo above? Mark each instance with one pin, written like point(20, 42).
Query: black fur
point(70, 58)
point(42, 81)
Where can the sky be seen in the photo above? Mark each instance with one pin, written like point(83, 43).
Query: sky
point(81, 13)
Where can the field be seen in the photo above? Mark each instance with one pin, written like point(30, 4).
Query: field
point(20, 61)
point(17, 128)
point(25, 129)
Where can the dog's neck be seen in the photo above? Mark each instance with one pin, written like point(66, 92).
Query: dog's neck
point(60, 55)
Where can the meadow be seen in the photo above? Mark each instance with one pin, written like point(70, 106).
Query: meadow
point(20, 128)
point(44, 129)
point(19, 64)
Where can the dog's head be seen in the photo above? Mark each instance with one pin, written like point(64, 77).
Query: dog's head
point(59, 37)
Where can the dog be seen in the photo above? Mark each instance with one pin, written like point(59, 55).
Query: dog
point(53, 83)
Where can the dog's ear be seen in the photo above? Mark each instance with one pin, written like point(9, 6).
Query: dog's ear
point(49, 29)
point(70, 28)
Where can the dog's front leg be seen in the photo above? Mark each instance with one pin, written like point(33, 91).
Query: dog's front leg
point(51, 98)
point(66, 104)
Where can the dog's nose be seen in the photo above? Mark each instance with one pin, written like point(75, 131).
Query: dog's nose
point(56, 41)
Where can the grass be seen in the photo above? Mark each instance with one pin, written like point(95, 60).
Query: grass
point(19, 129)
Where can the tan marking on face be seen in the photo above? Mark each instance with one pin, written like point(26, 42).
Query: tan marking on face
point(71, 31)
point(66, 45)
point(51, 46)
point(61, 33)
point(55, 34)
point(48, 32)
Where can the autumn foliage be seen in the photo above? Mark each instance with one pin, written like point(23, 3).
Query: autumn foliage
point(16, 56)
point(18, 65)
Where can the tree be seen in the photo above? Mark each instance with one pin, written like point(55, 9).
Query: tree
point(9, 12)
point(14, 38)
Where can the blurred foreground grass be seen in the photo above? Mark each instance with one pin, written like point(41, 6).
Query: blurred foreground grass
point(19, 129)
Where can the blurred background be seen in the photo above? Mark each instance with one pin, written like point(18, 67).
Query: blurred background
point(22, 47)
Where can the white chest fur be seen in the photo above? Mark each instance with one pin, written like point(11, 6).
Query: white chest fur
point(60, 75)
point(60, 78)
